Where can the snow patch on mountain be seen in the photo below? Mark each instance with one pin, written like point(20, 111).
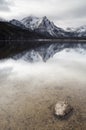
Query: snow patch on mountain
point(70, 29)
point(79, 31)
point(17, 23)
point(31, 22)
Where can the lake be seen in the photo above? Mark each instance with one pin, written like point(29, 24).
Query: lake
point(31, 82)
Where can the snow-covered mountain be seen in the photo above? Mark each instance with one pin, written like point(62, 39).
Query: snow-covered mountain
point(47, 28)
point(43, 25)
point(17, 23)
point(31, 22)
point(70, 29)
point(81, 31)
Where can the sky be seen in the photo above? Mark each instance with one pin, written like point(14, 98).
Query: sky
point(64, 13)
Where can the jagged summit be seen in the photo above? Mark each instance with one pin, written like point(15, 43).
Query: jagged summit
point(31, 22)
point(42, 25)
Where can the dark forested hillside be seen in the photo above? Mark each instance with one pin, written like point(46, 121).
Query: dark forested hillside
point(12, 32)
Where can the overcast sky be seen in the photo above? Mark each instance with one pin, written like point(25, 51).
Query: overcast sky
point(64, 13)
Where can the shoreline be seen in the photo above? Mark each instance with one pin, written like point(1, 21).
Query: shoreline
point(63, 40)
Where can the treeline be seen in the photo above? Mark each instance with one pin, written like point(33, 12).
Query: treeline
point(10, 32)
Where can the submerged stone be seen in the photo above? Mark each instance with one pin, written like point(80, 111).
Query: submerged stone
point(62, 109)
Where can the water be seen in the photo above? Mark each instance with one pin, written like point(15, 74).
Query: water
point(30, 87)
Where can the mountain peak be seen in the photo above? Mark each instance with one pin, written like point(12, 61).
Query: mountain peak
point(42, 25)
point(45, 18)
point(31, 17)
point(31, 22)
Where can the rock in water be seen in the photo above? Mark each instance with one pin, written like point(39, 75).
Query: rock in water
point(62, 109)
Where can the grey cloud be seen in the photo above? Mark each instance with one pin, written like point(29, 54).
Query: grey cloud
point(2, 1)
point(79, 12)
point(76, 12)
point(4, 8)
point(62, 11)
point(4, 5)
